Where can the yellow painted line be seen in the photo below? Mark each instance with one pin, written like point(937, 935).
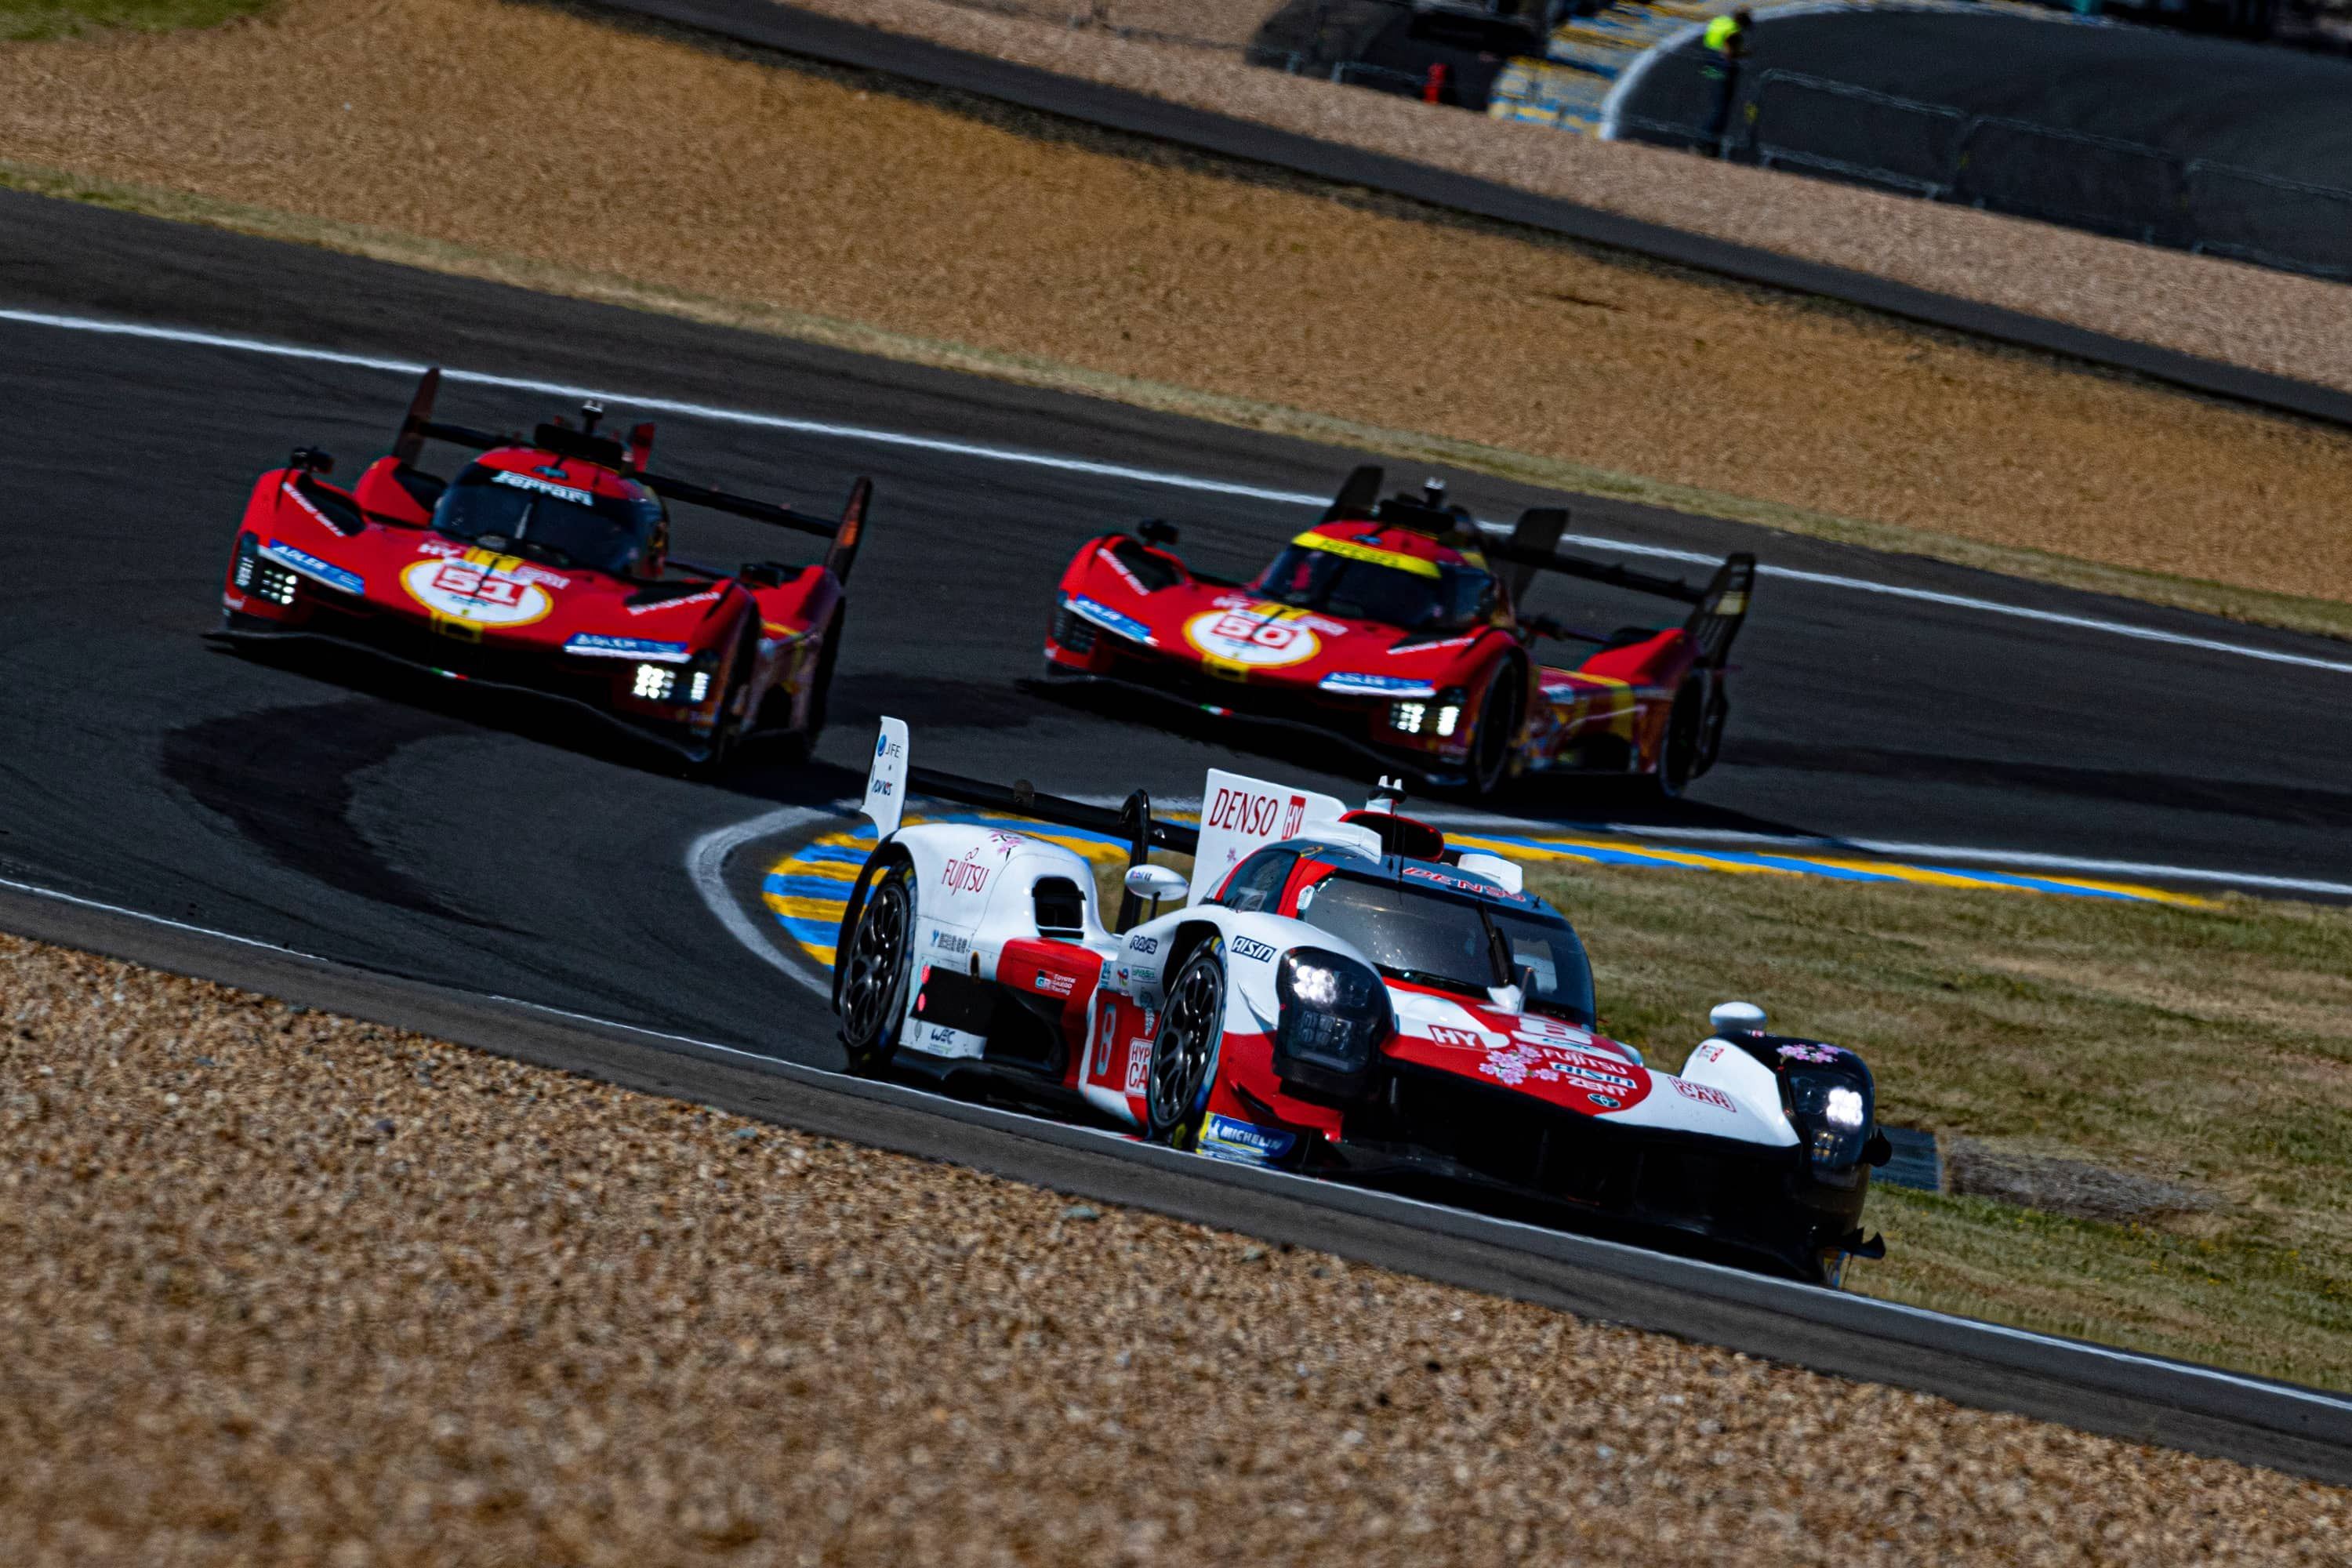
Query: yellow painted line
point(805, 908)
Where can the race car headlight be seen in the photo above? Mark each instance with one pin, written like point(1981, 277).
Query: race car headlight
point(699, 687)
point(1335, 1013)
point(655, 682)
point(1831, 1106)
point(1072, 630)
point(1449, 712)
point(274, 582)
point(1408, 717)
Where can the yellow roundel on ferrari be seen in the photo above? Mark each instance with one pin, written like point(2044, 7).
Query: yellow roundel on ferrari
point(1266, 638)
point(473, 591)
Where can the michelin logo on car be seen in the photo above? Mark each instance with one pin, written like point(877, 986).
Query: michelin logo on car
point(1224, 1138)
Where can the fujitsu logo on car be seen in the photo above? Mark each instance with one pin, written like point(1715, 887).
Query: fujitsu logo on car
point(965, 876)
point(1255, 814)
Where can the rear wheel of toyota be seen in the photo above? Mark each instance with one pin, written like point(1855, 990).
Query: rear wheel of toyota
point(876, 967)
point(1185, 1051)
point(1500, 706)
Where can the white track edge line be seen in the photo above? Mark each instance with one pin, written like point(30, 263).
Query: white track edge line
point(2027, 1336)
point(1114, 470)
point(706, 868)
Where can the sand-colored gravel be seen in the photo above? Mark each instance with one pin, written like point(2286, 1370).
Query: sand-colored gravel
point(288, 1288)
point(2245, 315)
point(465, 121)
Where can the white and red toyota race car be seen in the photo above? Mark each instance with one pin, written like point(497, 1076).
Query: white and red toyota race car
point(1341, 994)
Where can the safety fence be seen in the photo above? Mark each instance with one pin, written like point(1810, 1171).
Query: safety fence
point(1786, 119)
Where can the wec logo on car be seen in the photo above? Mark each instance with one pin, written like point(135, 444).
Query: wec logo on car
point(1255, 816)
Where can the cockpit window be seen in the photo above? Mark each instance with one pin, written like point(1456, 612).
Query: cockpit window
point(1256, 882)
point(547, 519)
point(1444, 598)
point(1463, 943)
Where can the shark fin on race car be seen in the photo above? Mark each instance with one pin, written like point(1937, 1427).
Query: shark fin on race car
point(886, 779)
point(409, 445)
point(844, 553)
point(1239, 815)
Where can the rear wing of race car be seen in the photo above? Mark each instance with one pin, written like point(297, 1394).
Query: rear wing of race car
point(630, 457)
point(1718, 608)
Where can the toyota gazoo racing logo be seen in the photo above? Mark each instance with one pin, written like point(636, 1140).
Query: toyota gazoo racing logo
point(1252, 641)
point(481, 591)
point(1255, 816)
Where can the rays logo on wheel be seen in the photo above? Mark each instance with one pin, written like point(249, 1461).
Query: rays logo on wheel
point(463, 591)
point(1250, 640)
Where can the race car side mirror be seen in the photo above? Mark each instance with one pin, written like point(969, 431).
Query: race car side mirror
point(1157, 531)
point(312, 460)
point(1156, 883)
point(1736, 1017)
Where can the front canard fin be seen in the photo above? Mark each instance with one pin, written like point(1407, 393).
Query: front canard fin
point(886, 779)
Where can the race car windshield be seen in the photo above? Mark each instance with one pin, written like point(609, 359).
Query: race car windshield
point(1458, 943)
point(1452, 599)
point(546, 521)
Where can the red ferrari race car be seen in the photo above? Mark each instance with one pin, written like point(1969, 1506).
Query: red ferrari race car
point(1388, 628)
point(1345, 995)
point(544, 567)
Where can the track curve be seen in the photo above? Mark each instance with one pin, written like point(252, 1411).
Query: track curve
point(393, 832)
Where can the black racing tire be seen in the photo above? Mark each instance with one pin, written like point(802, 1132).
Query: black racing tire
point(877, 966)
point(1711, 727)
point(734, 720)
point(1184, 1049)
point(801, 742)
point(1679, 755)
point(1502, 704)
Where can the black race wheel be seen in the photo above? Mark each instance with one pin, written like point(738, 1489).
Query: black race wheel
point(876, 965)
point(1678, 757)
point(1500, 713)
point(734, 711)
point(1184, 1049)
point(800, 742)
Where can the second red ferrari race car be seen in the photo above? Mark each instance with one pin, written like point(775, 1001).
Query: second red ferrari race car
point(544, 567)
point(1344, 995)
point(1387, 626)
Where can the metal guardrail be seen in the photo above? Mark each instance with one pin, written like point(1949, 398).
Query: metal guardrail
point(2002, 164)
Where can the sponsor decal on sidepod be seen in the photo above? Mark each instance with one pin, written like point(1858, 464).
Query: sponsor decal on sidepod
point(1103, 615)
point(597, 645)
point(1226, 1139)
point(309, 565)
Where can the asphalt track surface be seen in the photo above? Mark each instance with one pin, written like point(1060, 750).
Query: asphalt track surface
point(522, 884)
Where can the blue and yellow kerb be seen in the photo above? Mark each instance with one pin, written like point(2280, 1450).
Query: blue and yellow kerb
point(807, 889)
